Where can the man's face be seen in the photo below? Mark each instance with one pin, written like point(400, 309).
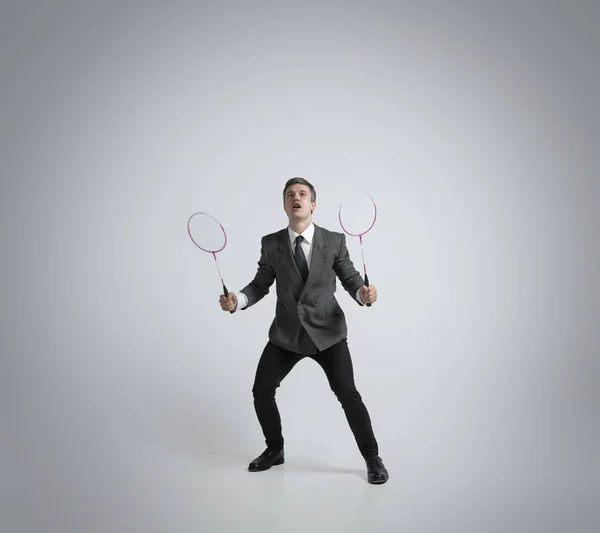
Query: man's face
point(297, 203)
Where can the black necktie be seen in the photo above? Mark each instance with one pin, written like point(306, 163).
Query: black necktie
point(301, 258)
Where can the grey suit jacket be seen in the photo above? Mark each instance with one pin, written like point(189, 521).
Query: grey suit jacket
point(307, 316)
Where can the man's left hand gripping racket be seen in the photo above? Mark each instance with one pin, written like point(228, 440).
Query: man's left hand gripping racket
point(357, 216)
point(208, 234)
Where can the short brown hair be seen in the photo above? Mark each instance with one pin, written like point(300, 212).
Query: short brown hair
point(301, 181)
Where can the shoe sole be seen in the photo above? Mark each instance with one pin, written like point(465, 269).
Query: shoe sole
point(262, 469)
point(378, 482)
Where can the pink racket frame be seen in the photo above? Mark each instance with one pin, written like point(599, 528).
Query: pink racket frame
point(359, 235)
point(220, 225)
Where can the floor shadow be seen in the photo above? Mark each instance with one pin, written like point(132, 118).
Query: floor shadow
point(292, 466)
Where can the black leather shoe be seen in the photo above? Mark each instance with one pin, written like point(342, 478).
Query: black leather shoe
point(376, 471)
point(266, 460)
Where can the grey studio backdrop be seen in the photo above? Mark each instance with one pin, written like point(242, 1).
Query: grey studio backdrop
point(126, 391)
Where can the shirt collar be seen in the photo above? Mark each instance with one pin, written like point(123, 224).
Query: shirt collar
point(308, 234)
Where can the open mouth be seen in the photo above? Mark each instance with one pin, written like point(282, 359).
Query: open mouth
point(297, 206)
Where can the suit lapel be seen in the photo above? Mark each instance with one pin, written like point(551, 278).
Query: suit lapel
point(316, 258)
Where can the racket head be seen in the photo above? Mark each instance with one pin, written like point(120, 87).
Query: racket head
point(358, 213)
point(206, 232)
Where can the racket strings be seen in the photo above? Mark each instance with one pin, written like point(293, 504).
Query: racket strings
point(357, 213)
point(207, 233)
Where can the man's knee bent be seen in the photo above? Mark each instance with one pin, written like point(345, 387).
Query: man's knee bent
point(262, 391)
point(346, 393)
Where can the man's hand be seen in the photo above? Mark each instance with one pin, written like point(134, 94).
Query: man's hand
point(368, 294)
point(229, 302)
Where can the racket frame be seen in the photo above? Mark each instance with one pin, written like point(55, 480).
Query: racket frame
point(213, 252)
point(359, 235)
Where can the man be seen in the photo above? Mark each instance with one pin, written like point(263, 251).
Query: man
point(306, 259)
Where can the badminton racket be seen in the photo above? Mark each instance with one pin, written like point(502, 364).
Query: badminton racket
point(357, 216)
point(208, 234)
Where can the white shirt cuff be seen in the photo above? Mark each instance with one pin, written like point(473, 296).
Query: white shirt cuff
point(242, 300)
point(358, 298)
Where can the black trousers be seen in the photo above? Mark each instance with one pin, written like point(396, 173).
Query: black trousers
point(275, 363)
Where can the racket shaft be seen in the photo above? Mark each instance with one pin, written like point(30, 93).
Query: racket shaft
point(225, 291)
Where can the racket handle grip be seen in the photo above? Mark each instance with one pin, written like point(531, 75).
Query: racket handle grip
point(367, 284)
point(226, 292)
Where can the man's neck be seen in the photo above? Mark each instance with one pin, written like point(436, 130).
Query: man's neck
point(300, 225)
